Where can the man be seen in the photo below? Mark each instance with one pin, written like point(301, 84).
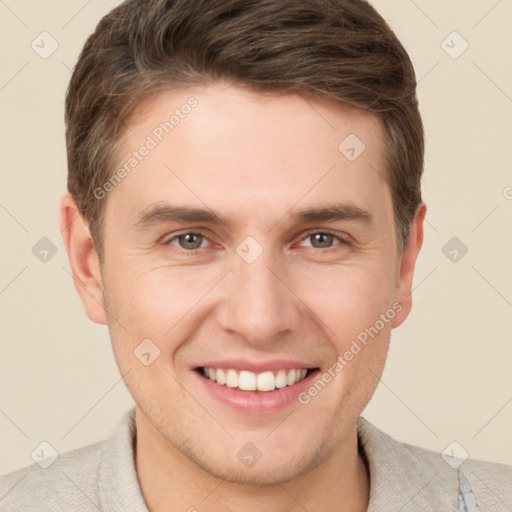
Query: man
point(244, 213)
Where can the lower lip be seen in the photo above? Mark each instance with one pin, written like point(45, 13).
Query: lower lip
point(257, 401)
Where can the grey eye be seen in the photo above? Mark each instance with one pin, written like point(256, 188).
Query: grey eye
point(323, 239)
point(190, 241)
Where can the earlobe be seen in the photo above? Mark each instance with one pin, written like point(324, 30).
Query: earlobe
point(407, 263)
point(83, 259)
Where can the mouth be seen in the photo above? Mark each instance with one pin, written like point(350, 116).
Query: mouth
point(262, 382)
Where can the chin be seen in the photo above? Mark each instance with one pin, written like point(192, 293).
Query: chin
point(264, 472)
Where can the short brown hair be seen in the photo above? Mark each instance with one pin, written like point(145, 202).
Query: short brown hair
point(340, 49)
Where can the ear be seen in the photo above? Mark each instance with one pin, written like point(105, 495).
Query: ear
point(83, 259)
point(405, 269)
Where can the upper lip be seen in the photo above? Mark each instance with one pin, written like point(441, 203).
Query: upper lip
point(256, 367)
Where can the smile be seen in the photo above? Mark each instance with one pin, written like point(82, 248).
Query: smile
point(249, 381)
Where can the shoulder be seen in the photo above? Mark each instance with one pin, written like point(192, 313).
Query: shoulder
point(439, 460)
point(73, 475)
point(425, 476)
point(488, 480)
point(99, 476)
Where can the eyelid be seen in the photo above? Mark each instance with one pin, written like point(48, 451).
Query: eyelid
point(342, 239)
point(166, 240)
point(201, 231)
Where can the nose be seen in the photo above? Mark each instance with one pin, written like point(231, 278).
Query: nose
point(259, 304)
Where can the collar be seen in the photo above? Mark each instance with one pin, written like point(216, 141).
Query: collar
point(403, 477)
point(119, 486)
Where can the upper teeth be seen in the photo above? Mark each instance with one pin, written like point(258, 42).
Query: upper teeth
point(249, 381)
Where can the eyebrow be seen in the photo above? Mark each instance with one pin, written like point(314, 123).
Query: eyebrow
point(161, 213)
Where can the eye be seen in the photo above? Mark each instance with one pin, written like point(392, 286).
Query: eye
point(190, 241)
point(323, 240)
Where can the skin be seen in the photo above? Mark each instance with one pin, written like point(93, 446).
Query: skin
point(256, 159)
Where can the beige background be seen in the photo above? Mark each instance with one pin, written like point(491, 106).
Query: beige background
point(448, 377)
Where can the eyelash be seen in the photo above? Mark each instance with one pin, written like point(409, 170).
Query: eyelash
point(306, 235)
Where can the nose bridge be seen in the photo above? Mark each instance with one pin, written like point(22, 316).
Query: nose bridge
point(257, 304)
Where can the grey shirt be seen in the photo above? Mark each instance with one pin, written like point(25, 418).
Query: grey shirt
point(403, 478)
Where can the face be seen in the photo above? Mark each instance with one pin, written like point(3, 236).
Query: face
point(251, 276)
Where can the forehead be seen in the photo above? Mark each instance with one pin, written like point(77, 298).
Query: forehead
point(241, 151)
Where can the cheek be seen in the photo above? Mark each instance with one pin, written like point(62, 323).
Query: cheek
point(153, 302)
point(351, 299)
point(350, 302)
point(161, 299)
point(357, 307)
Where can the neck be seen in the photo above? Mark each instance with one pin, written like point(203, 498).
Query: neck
point(171, 481)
